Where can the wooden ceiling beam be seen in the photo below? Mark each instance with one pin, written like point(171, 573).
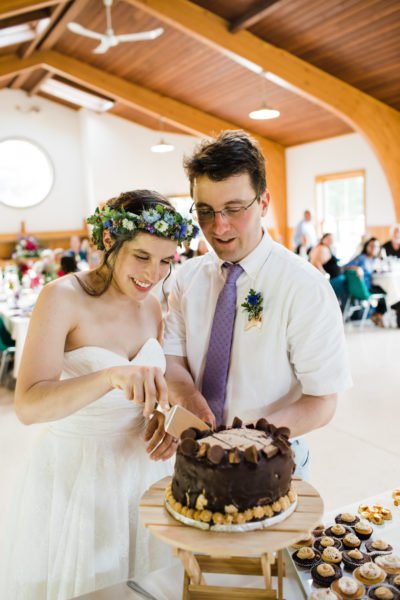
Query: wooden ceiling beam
point(35, 43)
point(10, 8)
point(36, 15)
point(253, 16)
point(56, 32)
point(36, 87)
point(185, 117)
point(376, 122)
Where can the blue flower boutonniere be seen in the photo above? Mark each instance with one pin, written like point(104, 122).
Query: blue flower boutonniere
point(254, 307)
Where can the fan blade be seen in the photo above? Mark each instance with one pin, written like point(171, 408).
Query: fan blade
point(103, 47)
point(140, 36)
point(80, 30)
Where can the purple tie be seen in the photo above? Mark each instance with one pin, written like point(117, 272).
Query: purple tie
point(219, 348)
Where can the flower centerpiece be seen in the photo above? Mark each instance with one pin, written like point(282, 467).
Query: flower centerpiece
point(253, 305)
point(26, 247)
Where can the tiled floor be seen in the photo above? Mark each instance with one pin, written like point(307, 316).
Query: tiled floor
point(357, 455)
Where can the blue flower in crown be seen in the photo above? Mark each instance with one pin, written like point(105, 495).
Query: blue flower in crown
point(151, 216)
point(149, 228)
point(169, 218)
point(182, 230)
point(107, 224)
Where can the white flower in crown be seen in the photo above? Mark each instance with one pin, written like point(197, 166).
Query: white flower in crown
point(161, 226)
point(127, 224)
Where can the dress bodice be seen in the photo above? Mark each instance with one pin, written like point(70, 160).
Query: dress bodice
point(111, 413)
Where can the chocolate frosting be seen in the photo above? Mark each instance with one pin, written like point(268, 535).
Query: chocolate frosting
point(235, 470)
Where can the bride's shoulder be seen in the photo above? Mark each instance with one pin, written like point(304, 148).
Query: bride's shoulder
point(61, 291)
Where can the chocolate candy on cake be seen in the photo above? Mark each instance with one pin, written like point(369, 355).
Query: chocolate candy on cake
point(233, 475)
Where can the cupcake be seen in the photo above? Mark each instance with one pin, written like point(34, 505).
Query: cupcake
point(306, 557)
point(326, 594)
point(318, 530)
point(331, 555)
point(390, 563)
point(324, 574)
point(302, 543)
point(337, 531)
point(395, 580)
point(383, 592)
point(347, 519)
point(348, 588)
point(326, 541)
point(369, 574)
point(351, 541)
point(363, 530)
point(378, 547)
point(354, 558)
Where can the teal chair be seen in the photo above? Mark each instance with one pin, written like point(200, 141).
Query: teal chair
point(7, 351)
point(360, 298)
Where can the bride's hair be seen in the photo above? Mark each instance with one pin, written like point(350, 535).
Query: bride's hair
point(135, 202)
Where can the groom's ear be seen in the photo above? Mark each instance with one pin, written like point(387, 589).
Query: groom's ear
point(107, 240)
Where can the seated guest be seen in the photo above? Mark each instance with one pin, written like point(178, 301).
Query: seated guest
point(202, 248)
point(67, 265)
point(76, 249)
point(188, 251)
point(322, 257)
point(392, 246)
point(367, 262)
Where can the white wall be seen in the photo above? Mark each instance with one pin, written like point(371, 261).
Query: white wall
point(344, 153)
point(120, 158)
point(95, 157)
point(56, 130)
point(98, 156)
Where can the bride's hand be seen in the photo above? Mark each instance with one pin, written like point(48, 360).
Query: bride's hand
point(141, 384)
point(161, 445)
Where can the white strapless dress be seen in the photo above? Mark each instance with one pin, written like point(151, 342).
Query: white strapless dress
point(74, 525)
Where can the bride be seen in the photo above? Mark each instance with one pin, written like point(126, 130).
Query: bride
point(93, 370)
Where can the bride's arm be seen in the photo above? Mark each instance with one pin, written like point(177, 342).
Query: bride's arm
point(40, 396)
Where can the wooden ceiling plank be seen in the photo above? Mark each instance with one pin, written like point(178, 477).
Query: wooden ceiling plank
point(10, 8)
point(376, 122)
point(183, 116)
point(253, 16)
point(27, 51)
point(69, 15)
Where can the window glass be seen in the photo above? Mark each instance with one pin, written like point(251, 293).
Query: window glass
point(26, 173)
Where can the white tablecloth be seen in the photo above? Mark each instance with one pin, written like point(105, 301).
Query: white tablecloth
point(390, 282)
point(16, 321)
point(167, 584)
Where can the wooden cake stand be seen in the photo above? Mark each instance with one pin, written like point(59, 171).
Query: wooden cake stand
point(248, 553)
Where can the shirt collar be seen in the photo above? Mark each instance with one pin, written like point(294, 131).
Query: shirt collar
point(253, 262)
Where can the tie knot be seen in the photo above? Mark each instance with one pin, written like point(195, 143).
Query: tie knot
point(234, 272)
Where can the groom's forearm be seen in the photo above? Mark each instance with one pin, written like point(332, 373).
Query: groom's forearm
point(182, 389)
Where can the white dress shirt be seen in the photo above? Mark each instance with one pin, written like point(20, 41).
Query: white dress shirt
point(300, 347)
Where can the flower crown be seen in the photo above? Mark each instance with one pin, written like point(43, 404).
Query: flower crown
point(158, 220)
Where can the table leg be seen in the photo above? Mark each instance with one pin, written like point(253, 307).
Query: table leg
point(266, 569)
point(191, 566)
point(280, 565)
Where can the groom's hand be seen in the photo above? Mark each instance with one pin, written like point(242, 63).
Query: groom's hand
point(161, 445)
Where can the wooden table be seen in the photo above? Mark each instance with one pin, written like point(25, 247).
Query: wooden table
point(249, 553)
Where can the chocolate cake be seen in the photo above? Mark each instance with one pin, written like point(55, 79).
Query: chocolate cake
point(233, 475)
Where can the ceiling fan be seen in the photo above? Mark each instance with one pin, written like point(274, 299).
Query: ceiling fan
point(109, 39)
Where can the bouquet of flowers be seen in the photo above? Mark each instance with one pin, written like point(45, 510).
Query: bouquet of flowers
point(27, 247)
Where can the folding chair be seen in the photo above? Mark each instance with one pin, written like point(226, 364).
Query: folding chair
point(360, 298)
point(7, 351)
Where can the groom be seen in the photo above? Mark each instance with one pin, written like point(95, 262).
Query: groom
point(252, 330)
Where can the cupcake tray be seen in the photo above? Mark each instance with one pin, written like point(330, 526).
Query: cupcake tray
point(390, 532)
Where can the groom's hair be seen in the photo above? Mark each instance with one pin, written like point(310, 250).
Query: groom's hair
point(233, 152)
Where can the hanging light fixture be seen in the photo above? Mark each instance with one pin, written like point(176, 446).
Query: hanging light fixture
point(264, 112)
point(162, 145)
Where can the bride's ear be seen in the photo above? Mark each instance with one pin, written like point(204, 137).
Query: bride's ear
point(107, 240)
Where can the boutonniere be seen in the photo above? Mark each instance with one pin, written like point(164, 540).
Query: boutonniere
point(254, 307)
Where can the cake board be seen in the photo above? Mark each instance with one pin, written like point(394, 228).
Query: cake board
point(249, 553)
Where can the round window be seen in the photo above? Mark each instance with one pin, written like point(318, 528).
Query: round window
point(26, 173)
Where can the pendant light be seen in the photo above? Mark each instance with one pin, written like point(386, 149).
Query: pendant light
point(162, 145)
point(264, 112)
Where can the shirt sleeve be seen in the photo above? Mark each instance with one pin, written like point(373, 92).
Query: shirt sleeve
point(316, 342)
point(357, 261)
point(175, 329)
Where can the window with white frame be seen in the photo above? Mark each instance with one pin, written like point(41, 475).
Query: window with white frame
point(341, 210)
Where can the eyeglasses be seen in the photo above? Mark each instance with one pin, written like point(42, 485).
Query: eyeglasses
point(230, 213)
